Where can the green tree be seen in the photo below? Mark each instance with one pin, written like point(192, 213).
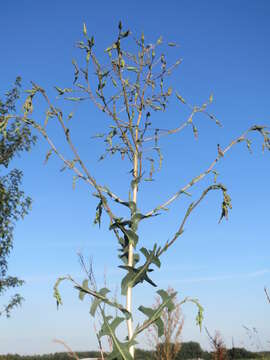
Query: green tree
point(15, 137)
point(190, 350)
point(129, 88)
point(141, 354)
point(241, 353)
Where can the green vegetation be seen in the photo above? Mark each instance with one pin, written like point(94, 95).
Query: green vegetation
point(15, 137)
point(169, 344)
point(130, 87)
point(189, 350)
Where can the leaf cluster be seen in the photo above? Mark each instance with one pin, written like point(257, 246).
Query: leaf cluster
point(15, 137)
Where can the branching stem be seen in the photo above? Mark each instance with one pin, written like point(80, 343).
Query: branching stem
point(198, 178)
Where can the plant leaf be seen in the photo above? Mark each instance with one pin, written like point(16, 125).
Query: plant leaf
point(179, 97)
point(154, 315)
point(120, 349)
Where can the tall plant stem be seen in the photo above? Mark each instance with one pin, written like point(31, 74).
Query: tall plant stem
point(130, 248)
point(130, 260)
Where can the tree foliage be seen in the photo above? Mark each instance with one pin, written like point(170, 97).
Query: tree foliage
point(242, 353)
point(14, 138)
point(190, 350)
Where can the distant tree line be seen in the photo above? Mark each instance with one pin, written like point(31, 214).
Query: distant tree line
point(189, 350)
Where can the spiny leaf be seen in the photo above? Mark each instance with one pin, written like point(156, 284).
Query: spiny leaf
point(56, 293)
point(134, 277)
point(101, 85)
point(226, 205)
point(125, 34)
point(152, 254)
point(99, 297)
point(120, 350)
point(49, 153)
point(74, 98)
point(179, 97)
point(169, 91)
point(249, 145)
point(62, 91)
point(159, 41)
point(70, 115)
point(28, 105)
point(216, 175)
point(139, 274)
point(108, 49)
point(76, 71)
point(110, 136)
point(154, 315)
point(114, 82)
point(84, 29)
point(199, 317)
point(135, 219)
point(131, 235)
point(132, 68)
point(195, 131)
point(84, 286)
point(103, 292)
point(98, 213)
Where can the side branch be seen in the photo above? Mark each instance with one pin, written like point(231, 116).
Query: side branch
point(83, 173)
point(189, 121)
point(92, 180)
point(221, 153)
point(111, 113)
point(192, 206)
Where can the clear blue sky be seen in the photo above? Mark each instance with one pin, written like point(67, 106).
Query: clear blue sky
point(225, 47)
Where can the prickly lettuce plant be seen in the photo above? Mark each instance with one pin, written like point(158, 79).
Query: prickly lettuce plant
point(130, 88)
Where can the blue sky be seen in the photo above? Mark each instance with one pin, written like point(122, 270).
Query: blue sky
point(225, 51)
